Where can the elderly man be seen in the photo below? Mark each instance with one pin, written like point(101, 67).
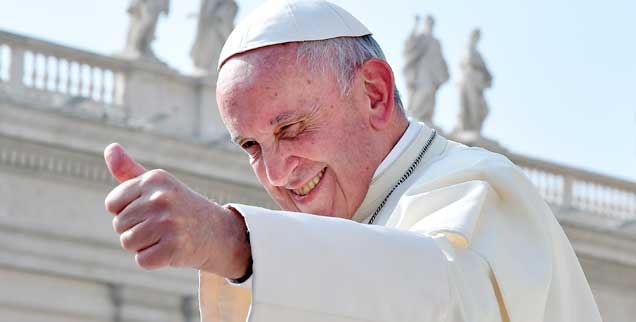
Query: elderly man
point(383, 220)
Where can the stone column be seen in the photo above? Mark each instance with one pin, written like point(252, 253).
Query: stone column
point(16, 69)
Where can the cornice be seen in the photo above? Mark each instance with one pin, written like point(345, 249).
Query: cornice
point(35, 158)
point(34, 123)
point(43, 141)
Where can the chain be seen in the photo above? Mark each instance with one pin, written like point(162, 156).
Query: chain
point(405, 176)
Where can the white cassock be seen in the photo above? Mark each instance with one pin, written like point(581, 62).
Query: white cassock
point(465, 238)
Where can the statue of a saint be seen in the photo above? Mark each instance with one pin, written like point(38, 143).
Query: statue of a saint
point(474, 80)
point(144, 15)
point(216, 22)
point(425, 70)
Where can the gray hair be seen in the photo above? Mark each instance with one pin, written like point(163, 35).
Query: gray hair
point(343, 56)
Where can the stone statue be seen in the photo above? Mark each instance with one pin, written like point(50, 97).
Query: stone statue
point(474, 80)
point(425, 70)
point(216, 22)
point(144, 15)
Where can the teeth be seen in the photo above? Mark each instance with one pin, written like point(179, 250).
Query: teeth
point(309, 185)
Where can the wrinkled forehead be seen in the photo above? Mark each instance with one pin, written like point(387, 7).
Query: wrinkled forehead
point(262, 84)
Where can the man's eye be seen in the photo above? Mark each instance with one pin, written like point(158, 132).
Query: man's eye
point(248, 144)
point(291, 130)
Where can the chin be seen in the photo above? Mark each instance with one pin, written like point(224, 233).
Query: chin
point(292, 207)
point(327, 212)
point(287, 206)
point(319, 212)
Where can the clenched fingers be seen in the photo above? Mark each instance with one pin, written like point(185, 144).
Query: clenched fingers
point(136, 212)
point(142, 236)
point(123, 195)
point(157, 256)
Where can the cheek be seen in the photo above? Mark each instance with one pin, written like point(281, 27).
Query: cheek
point(261, 174)
point(355, 152)
point(352, 142)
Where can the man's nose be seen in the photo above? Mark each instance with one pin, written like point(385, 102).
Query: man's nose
point(278, 166)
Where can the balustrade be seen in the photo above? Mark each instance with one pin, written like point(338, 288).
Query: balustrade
point(570, 188)
point(31, 64)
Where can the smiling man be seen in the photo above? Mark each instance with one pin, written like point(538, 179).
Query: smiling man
point(313, 148)
point(425, 229)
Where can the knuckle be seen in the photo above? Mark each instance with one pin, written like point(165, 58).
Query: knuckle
point(150, 260)
point(146, 262)
point(110, 204)
point(159, 202)
point(125, 239)
point(117, 198)
point(160, 198)
point(167, 221)
point(117, 225)
point(122, 223)
point(156, 177)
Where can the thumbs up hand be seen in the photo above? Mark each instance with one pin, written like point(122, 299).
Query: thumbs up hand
point(167, 224)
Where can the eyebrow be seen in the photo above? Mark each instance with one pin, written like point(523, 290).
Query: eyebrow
point(279, 119)
point(284, 118)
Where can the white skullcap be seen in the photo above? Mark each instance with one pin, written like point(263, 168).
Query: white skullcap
point(282, 21)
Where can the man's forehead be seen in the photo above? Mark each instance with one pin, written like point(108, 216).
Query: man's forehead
point(264, 88)
point(245, 81)
point(262, 59)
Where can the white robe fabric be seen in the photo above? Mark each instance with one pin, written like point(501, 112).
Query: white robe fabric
point(465, 238)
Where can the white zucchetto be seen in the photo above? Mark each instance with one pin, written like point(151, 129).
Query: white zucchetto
point(282, 21)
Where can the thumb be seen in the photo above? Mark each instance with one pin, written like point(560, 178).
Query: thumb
point(120, 164)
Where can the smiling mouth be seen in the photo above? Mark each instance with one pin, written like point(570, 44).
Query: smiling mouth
point(309, 186)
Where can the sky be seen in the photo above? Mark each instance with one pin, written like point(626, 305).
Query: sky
point(564, 70)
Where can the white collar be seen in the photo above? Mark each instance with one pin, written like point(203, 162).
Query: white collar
point(393, 167)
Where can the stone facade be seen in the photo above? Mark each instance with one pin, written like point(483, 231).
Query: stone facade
point(60, 259)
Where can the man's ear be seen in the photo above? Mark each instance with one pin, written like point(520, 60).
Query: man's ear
point(378, 86)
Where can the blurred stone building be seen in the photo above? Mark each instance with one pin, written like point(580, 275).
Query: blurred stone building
point(60, 259)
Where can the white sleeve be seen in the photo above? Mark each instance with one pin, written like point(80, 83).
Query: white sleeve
point(312, 268)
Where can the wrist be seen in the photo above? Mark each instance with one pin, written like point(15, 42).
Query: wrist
point(247, 274)
point(241, 255)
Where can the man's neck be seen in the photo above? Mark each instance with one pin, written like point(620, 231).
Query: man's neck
point(389, 155)
point(395, 134)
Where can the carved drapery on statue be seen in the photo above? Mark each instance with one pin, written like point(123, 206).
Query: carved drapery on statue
point(425, 70)
point(143, 18)
point(216, 22)
point(475, 79)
